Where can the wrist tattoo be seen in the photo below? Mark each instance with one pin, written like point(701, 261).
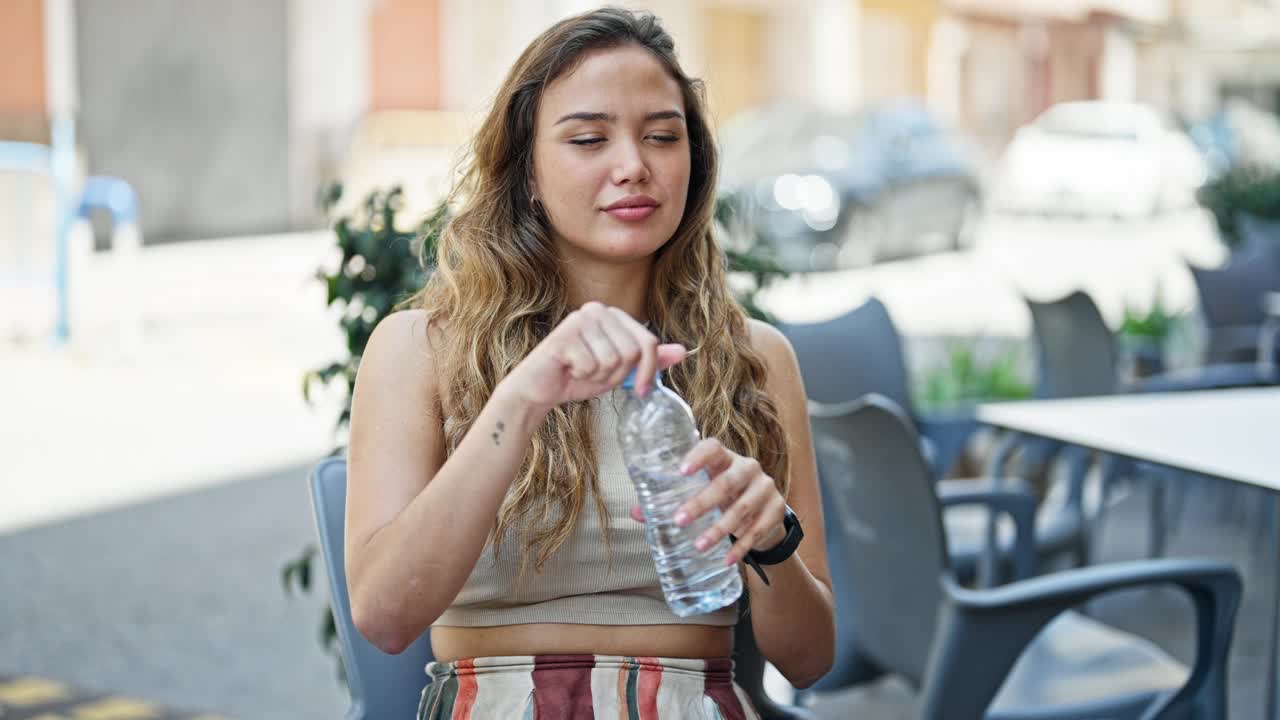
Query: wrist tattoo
point(497, 435)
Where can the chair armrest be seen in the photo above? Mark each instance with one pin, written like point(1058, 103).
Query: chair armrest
point(1014, 497)
point(981, 633)
point(942, 437)
point(1208, 377)
point(771, 710)
point(1225, 341)
point(948, 435)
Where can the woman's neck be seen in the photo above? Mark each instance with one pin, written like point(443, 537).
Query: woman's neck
point(624, 286)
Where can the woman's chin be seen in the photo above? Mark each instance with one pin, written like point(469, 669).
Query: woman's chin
point(632, 247)
point(615, 246)
point(635, 240)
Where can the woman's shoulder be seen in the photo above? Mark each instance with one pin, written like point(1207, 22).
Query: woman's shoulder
point(401, 351)
point(770, 342)
point(401, 331)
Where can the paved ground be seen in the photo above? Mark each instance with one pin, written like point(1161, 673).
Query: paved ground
point(177, 601)
point(207, 390)
point(35, 698)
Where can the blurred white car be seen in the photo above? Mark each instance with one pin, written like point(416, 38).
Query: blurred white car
point(1099, 158)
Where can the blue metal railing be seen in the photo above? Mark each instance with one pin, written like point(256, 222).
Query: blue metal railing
point(57, 161)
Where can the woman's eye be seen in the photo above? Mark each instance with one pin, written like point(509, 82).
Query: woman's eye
point(587, 141)
point(665, 138)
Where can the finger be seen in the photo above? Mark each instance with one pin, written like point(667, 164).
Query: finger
point(625, 341)
point(646, 342)
point(598, 343)
point(738, 513)
point(579, 360)
point(637, 514)
point(710, 455)
point(765, 523)
point(669, 354)
point(723, 490)
point(589, 335)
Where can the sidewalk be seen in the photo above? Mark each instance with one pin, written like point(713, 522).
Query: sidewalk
point(210, 391)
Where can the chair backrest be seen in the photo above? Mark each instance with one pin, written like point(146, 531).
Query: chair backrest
point(1232, 295)
point(1261, 233)
point(852, 355)
point(879, 500)
point(1074, 347)
point(381, 685)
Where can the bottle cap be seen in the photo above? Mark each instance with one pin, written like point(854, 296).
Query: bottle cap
point(630, 382)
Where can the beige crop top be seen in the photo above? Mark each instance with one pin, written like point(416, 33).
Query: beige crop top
point(577, 585)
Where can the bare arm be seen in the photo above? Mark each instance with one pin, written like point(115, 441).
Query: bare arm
point(416, 524)
point(794, 618)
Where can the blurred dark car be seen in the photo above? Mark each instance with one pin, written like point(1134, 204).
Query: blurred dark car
point(833, 191)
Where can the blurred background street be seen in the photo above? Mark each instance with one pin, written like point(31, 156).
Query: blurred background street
point(167, 267)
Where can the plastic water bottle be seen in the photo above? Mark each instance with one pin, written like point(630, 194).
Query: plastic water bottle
point(656, 432)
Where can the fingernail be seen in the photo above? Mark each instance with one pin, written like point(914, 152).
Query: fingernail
point(685, 468)
point(702, 543)
point(730, 560)
point(682, 518)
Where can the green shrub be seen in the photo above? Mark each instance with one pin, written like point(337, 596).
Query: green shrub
point(1250, 190)
point(1153, 325)
point(966, 378)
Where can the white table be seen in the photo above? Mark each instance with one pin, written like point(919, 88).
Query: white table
point(1229, 434)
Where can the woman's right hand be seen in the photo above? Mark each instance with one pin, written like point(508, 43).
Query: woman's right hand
point(589, 352)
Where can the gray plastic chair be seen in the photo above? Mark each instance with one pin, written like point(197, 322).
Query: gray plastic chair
point(1017, 652)
point(1262, 233)
point(860, 352)
point(1076, 357)
point(1231, 302)
point(391, 686)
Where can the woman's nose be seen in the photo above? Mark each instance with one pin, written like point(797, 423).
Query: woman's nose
point(629, 165)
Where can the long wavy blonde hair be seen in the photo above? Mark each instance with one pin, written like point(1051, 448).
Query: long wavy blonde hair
point(497, 291)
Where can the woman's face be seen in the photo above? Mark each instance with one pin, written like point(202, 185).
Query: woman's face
point(611, 156)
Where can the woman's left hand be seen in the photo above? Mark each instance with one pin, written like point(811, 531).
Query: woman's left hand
point(751, 507)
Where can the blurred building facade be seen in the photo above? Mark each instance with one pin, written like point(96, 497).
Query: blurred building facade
point(227, 116)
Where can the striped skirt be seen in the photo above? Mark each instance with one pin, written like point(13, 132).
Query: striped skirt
point(580, 687)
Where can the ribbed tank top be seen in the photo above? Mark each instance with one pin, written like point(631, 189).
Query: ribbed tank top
point(577, 585)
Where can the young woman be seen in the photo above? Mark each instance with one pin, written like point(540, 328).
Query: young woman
point(488, 500)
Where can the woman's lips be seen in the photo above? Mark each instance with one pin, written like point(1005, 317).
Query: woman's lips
point(633, 214)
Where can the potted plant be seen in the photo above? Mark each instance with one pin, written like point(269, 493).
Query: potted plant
point(1246, 189)
point(1144, 335)
point(967, 377)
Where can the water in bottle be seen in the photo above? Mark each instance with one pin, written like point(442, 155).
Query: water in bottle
point(656, 432)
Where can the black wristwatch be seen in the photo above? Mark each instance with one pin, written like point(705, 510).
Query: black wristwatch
point(780, 552)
